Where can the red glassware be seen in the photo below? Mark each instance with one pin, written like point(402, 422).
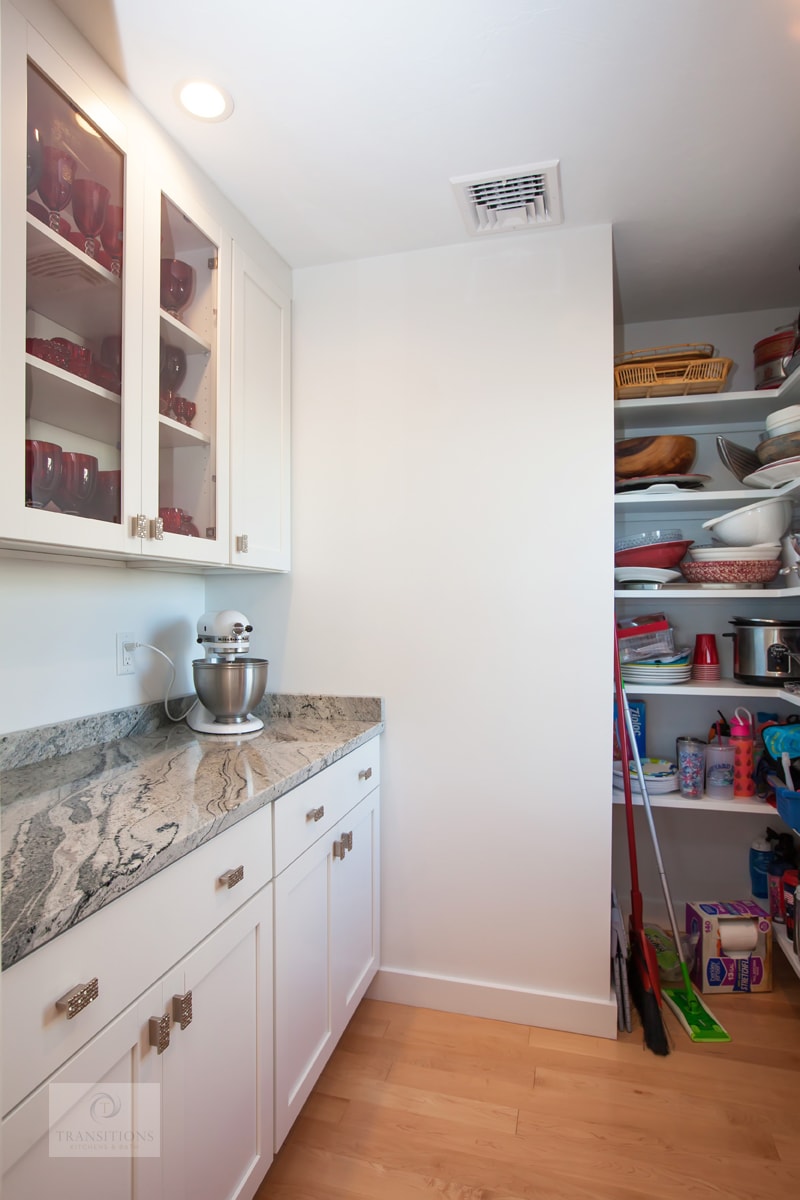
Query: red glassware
point(188, 527)
point(189, 412)
point(56, 182)
point(106, 503)
point(111, 237)
point(173, 372)
point(178, 405)
point(89, 203)
point(172, 518)
point(177, 285)
point(42, 472)
point(79, 358)
point(78, 481)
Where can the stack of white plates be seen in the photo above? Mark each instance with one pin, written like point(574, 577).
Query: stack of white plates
point(764, 552)
point(659, 775)
point(678, 670)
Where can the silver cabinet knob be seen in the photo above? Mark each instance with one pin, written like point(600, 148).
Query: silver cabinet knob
point(139, 526)
point(365, 774)
point(243, 543)
point(339, 850)
point(157, 529)
point(182, 1009)
point(347, 840)
point(230, 878)
point(316, 814)
point(159, 1032)
point(78, 998)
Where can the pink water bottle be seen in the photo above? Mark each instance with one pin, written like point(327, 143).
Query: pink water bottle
point(743, 763)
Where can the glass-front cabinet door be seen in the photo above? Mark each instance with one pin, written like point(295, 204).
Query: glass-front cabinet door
point(65, 180)
point(185, 421)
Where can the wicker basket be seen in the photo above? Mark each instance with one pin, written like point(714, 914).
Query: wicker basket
point(671, 377)
point(685, 350)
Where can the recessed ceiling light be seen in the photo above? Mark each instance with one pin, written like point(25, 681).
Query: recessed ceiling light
point(205, 100)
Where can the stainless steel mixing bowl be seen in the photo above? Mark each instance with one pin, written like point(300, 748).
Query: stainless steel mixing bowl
point(230, 690)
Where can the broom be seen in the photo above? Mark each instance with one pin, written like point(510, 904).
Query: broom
point(698, 1020)
point(643, 979)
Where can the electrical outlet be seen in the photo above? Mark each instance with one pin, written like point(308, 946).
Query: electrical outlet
point(125, 663)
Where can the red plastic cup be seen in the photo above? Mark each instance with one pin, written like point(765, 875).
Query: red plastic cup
point(705, 650)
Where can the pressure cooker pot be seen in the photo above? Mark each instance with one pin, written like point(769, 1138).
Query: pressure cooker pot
point(765, 651)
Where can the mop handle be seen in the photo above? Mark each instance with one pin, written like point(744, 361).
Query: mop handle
point(653, 835)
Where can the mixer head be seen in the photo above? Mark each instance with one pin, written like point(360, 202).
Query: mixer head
point(224, 636)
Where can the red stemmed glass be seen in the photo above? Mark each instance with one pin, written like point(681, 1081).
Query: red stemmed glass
point(56, 182)
point(42, 472)
point(172, 375)
point(111, 237)
point(177, 285)
point(89, 204)
point(78, 482)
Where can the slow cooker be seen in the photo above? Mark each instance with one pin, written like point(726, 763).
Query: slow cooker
point(765, 651)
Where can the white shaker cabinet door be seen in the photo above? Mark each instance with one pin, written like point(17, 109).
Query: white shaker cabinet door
point(355, 910)
point(217, 1070)
point(260, 419)
point(303, 1034)
point(102, 1114)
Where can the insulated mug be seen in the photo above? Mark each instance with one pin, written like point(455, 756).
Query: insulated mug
point(691, 767)
point(719, 771)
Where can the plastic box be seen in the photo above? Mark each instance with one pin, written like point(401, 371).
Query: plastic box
point(646, 642)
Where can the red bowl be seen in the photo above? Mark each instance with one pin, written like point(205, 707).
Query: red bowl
point(738, 571)
point(663, 554)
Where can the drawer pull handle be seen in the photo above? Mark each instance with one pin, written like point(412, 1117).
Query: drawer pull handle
point(339, 850)
point(316, 814)
point(365, 774)
point(159, 1033)
point(347, 840)
point(182, 1009)
point(230, 878)
point(75, 1001)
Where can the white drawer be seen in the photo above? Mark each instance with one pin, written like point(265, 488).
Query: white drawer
point(127, 946)
point(308, 811)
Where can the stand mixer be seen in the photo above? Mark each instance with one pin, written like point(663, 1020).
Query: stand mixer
point(228, 684)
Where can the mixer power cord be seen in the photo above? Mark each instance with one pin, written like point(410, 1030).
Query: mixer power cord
point(147, 646)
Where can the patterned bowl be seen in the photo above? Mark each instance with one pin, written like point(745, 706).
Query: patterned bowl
point(740, 571)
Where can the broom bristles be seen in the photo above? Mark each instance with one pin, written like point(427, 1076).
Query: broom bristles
point(646, 1001)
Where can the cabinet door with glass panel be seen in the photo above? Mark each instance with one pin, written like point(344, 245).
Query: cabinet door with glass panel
point(69, 367)
point(186, 366)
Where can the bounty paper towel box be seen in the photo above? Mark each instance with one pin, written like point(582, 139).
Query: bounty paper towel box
point(733, 946)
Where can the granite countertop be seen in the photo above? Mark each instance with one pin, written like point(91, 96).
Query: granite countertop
point(80, 828)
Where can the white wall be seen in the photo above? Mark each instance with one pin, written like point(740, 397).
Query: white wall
point(60, 622)
point(452, 531)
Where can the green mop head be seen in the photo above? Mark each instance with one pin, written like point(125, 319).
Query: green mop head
point(692, 1013)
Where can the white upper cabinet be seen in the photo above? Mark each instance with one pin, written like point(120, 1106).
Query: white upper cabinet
point(146, 360)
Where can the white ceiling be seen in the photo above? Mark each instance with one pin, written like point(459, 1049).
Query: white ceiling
point(674, 120)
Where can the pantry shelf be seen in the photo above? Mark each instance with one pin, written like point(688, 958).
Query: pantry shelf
point(782, 940)
point(701, 804)
point(715, 687)
point(668, 593)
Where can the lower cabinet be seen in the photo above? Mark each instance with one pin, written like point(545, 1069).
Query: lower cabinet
point(203, 1128)
point(327, 929)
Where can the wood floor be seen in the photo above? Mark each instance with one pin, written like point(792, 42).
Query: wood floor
point(416, 1103)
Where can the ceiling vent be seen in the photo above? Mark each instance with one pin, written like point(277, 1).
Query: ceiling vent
point(509, 201)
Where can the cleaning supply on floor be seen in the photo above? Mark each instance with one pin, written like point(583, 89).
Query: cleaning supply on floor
point(734, 945)
point(744, 762)
point(761, 857)
point(697, 1020)
point(645, 989)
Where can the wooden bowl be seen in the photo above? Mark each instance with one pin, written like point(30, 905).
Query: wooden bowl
point(665, 454)
point(777, 448)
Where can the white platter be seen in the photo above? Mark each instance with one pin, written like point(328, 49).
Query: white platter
point(660, 483)
point(645, 575)
point(774, 474)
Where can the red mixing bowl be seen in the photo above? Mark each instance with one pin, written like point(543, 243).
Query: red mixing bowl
point(663, 554)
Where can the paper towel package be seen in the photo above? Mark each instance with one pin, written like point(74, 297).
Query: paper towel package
point(733, 945)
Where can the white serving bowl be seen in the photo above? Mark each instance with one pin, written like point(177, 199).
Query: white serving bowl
point(764, 553)
point(784, 420)
point(764, 521)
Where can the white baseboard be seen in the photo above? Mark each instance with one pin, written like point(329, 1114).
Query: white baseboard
point(573, 1014)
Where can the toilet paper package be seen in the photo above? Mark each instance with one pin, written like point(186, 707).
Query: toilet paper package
point(733, 946)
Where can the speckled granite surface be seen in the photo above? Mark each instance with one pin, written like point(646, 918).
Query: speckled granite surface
point(78, 829)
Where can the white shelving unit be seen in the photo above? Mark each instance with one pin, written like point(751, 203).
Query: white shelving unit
point(781, 938)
